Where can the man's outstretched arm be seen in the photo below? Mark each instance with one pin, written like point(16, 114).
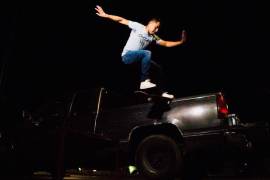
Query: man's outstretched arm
point(173, 43)
point(100, 12)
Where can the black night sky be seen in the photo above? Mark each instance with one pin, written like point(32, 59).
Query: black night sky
point(50, 48)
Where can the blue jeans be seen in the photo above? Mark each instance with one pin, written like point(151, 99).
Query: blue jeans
point(144, 56)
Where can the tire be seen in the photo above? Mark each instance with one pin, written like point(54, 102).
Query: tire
point(159, 157)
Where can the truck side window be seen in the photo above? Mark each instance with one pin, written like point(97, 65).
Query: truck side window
point(83, 111)
point(85, 102)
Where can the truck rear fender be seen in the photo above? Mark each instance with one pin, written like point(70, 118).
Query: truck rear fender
point(137, 134)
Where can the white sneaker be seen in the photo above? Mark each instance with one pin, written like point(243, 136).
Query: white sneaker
point(147, 84)
point(166, 95)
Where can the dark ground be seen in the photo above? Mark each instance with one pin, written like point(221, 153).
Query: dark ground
point(134, 177)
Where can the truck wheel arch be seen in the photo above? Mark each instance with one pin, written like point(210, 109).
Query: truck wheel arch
point(139, 133)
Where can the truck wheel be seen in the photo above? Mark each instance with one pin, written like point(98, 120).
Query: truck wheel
point(159, 157)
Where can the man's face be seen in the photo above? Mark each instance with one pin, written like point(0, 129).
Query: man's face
point(152, 27)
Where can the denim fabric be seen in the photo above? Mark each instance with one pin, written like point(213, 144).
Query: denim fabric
point(144, 56)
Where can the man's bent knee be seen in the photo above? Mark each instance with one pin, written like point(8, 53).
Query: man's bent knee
point(148, 53)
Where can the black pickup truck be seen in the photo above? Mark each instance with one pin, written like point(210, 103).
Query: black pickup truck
point(105, 129)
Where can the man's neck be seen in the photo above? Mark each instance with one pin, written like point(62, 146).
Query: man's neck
point(146, 30)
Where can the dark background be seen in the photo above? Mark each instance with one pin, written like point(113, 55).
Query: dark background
point(51, 48)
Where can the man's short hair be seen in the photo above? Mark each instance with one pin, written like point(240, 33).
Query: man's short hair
point(155, 19)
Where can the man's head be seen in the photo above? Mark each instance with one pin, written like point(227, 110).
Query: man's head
point(153, 25)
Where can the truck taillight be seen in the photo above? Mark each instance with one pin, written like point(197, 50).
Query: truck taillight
point(222, 107)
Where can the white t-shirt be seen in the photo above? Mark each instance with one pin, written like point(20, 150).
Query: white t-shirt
point(138, 39)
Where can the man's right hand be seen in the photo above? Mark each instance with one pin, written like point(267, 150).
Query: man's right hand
point(184, 36)
point(100, 12)
point(118, 19)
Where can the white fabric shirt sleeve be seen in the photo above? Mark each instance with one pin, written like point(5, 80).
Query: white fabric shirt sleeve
point(134, 25)
point(156, 38)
